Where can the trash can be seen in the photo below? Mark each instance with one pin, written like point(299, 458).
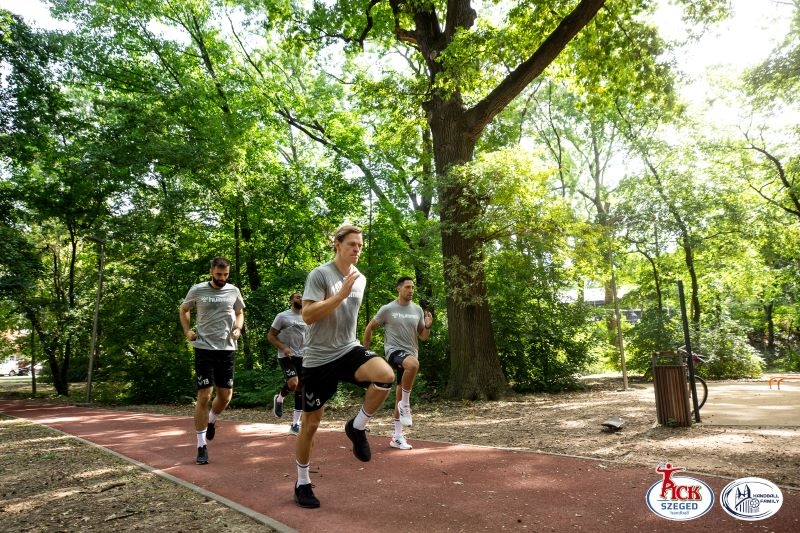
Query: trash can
point(672, 389)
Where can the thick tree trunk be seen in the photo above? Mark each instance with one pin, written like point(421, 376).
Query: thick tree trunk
point(475, 371)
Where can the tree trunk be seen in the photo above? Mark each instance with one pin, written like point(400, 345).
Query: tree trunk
point(688, 252)
point(770, 319)
point(475, 371)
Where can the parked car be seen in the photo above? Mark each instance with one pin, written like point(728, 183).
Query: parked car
point(9, 367)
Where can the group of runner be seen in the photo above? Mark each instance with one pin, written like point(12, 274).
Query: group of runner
point(318, 348)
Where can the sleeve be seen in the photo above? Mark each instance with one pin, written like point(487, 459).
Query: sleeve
point(380, 316)
point(314, 289)
point(191, 298)
point(239, 304)
point(277, 324)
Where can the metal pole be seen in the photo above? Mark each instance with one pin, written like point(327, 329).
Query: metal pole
point(688, 343)
point(100, 269)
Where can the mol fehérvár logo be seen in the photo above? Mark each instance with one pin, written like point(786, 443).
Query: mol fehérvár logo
point(751, 498)
point(678, 497)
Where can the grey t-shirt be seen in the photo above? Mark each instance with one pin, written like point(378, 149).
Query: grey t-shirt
point(335, 335)
point(402, 323)
point(216, 315)
point(292, 331)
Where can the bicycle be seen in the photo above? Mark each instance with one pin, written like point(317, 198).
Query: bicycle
point(700, 384)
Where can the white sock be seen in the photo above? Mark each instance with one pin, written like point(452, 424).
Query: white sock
point(302, 474)
point(201, 438)
point(296, 416)
point(406, 397)
point(362, 418)
point(398, 428)
point(212, 416)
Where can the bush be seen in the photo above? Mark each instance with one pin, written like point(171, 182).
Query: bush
point(728, 354)
point(656, 331)
point(256, 388)
point(159, 377)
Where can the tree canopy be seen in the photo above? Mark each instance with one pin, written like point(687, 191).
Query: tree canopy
point(510, 156)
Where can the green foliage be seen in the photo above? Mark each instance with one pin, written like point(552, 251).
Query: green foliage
point(255, 388)
point(656, 331)
point(194, 142)
point(543, 341)
point(727, 352)
point(159, 374)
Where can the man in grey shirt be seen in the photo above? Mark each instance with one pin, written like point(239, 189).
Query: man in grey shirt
point(331, 300)
point(220, 319)
point(288, 335)
point(404, 323)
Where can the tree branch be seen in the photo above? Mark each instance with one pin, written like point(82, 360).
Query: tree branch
point(529, 70)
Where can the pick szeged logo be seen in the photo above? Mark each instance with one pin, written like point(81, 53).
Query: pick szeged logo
point(679, 498)
point(751, 498)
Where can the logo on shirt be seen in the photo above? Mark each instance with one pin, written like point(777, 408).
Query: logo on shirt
point(216, 299)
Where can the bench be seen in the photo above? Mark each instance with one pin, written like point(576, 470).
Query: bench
point(778, 379)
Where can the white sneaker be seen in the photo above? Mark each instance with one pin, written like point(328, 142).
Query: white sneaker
point(405, 414)
point(400, 443)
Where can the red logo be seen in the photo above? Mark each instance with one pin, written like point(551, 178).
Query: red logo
point(678, 497)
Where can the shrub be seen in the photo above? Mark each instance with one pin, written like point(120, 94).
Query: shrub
point(727, 353)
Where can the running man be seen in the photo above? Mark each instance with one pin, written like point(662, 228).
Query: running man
point(288, 335)
point(331, 300)
point(404, 322)
point(219, 323)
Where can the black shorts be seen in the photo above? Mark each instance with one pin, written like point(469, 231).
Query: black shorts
point(291, 367)
point(395, 361)
point(320, 382)
point(213, 367)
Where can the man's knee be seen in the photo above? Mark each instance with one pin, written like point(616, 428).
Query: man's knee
point(204, 395)
point(292, 383)
point(410, 364)
point(311, 420)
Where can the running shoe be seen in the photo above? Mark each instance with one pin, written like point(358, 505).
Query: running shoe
point(277, 406)
point(304, 496)
point(202, 455)
point(405, 414)
point(400, 443)
point(359, 437)
point(294, 429)
point(211, 430)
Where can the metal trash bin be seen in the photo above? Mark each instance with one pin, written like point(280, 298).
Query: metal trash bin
point(672, 389)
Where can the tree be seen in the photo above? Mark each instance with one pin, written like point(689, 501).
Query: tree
point(474, 71)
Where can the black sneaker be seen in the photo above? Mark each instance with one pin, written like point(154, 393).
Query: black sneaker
point(359, 438)
point(277, 407)
point(304, 496)
point(202, 455)
point(211, 430)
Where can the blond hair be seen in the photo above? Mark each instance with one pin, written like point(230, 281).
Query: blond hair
point(343, 231)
